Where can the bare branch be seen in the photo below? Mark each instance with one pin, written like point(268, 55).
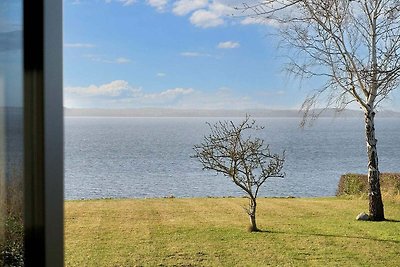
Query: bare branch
point(231, 150)
point(352, 45)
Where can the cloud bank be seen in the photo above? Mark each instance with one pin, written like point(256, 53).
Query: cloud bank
point(201, 13)
point(114, 88)
point(120, 94)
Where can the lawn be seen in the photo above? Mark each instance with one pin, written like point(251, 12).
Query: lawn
point(212, 232)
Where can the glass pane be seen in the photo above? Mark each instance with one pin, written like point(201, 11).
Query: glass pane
point(11, 134)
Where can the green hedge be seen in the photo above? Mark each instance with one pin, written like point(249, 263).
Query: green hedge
point(357, 184)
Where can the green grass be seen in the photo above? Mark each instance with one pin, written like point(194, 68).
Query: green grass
point(212, 232)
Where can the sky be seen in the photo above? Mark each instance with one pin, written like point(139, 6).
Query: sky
point(173, 54)
point(170, 54)
point(11, 63)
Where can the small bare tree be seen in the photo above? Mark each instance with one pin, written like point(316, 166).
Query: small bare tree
point(352, 47)
point(231, 150)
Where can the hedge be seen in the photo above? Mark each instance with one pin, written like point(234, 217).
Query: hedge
point(357, 184)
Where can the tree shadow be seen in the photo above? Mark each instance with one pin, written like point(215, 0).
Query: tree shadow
point(332, 235)
point(385, 220)
point(390, 220)
point(262, 231)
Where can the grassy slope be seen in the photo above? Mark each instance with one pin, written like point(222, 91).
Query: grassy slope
point(212, 232)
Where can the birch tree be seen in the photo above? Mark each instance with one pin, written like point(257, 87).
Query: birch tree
point(230, 150)
point(352, 47)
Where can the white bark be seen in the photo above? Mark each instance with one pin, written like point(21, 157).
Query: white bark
point(354, 46)
point(376, 211)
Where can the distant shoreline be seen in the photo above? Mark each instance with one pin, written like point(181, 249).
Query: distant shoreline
point(207, 113)
point(191, 113)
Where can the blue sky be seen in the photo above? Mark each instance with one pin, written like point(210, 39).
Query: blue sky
point(172, 53)
point(10, 53)
point(181, 54)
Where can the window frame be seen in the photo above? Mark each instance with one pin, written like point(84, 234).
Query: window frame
point(43, 133)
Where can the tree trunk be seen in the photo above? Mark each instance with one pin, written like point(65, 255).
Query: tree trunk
point(252, 214)
point(376, 212)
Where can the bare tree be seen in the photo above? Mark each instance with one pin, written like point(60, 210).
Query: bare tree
point(231, 150)
point(352, 47)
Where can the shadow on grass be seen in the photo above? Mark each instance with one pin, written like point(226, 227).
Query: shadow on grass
point(393, 221)
point(384, 221)
point(261, 231)
point(331, 235)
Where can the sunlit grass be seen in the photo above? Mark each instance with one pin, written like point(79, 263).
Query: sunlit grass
point(212, 232)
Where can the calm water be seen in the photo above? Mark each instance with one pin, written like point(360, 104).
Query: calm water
point(150, 157)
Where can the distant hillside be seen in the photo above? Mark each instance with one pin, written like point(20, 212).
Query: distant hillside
point(160, 112)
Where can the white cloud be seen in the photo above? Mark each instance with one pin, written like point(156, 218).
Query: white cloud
point(212, 16)
point(170, 93)
point(206, 19)
point(122, 88)
point(158, 4)
point(98, 58)
point(252, 20)
point(120, 93)
point(166, 98)
point(221, 9)
point(161, 74)
point(112, 89)
point(123, 2)
point(122, 60)
point(228, 45)
point(249, 17)
point(259, 21)
point(184, 7)
point(190, 54)
point(194, 54)
point(79, 45)
point(205, 13)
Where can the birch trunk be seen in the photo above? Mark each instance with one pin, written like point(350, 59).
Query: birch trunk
point(376, 212)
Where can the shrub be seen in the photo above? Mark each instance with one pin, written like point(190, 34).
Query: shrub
point(357, 184)
point(391, 183)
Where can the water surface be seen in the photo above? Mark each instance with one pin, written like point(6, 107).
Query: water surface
point(150, 157)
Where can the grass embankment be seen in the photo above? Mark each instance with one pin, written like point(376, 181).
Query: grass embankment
point(212, 232)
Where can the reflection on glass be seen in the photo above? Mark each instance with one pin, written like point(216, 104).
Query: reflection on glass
point(11, 134)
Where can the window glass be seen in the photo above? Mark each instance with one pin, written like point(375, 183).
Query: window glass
point(11, 134)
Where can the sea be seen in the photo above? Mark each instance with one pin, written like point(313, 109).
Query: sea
point(111, 157)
